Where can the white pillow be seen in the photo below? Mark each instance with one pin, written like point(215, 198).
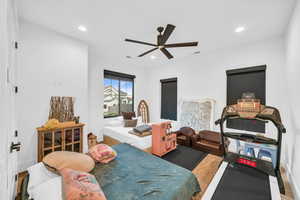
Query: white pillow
point(49, 190)
point(38, 174)
point(115, 123)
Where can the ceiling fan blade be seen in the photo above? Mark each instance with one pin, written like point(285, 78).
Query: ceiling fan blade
point(167, 53)
point(139, 42)
point(168, 31)
point(187, 44)
point(148, 52)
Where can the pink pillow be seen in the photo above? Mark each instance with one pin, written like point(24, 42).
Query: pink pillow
point(80, 186)
point(102, 153)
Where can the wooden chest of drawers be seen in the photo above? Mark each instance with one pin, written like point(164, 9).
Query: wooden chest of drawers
point(67, 137)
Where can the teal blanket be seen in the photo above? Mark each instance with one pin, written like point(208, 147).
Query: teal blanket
point(137, 175)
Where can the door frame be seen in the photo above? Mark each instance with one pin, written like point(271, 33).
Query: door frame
point(8, 67)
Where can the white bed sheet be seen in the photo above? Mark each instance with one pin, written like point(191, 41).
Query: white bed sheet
point(121, 134)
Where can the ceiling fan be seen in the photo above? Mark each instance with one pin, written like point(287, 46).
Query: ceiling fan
point(162, 38)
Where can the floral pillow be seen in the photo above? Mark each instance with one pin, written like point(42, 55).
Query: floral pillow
point(102, 153)
point(80, 186)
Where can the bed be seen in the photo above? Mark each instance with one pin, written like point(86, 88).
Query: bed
point(118, 134)
point(137, 175)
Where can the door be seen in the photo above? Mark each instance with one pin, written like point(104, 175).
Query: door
point(8, 159)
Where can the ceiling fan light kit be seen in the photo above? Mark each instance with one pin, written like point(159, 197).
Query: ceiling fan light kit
point(162, 38)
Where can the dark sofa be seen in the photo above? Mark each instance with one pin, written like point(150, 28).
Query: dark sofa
point(208, 141)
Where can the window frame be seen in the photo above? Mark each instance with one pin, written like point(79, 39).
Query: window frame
point(120, 77)
point(247, 70)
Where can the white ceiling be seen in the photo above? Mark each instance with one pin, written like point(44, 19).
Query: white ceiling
point(211, 22)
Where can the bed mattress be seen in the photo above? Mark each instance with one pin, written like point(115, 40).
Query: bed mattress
point(121, 134)
point(137, 175)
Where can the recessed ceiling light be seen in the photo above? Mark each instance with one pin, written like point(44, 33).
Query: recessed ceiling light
point(240, 29)
point(153, 57)
point(82, 28)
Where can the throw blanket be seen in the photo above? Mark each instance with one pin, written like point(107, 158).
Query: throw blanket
point(137, 175)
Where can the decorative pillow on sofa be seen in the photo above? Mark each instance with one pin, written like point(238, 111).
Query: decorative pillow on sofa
point(130, 122)
point(102, 153)
point(128, 115)
point(58, 160)
point(80, 186)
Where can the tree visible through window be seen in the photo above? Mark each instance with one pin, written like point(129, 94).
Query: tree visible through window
point(118, 93)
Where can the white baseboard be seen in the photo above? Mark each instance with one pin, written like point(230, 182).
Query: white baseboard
point(294, 186)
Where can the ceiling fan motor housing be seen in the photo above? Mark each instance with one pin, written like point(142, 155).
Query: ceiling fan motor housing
point(160, 29)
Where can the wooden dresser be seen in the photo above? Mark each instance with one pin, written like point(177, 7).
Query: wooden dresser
point(66, 137)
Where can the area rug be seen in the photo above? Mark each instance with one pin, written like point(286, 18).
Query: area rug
point(185, 157)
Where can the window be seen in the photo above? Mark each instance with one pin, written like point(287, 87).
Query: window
point(169, 99)
point(239, 81)
point(118, 93)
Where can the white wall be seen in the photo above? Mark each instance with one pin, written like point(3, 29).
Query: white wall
point(50, 64)
point(97, 64)
point(292, 72)
point(203, 76)
point(3, 63)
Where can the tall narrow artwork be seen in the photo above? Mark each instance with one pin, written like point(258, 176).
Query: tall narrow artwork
point(143, 111)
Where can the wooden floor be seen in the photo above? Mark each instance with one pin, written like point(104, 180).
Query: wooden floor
point(21, 177)
point(206, 170)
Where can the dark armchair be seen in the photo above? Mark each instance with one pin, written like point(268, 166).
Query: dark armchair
point(209, 141)
point(184, 135)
